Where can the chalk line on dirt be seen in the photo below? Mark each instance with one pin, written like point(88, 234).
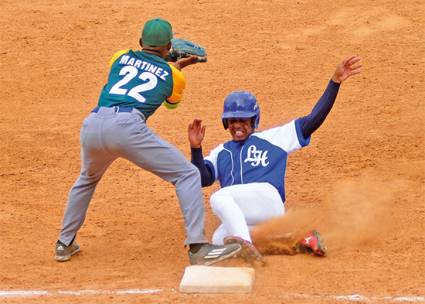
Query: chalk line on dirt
point(357, 298)
point(129, 292)
point(83, 292)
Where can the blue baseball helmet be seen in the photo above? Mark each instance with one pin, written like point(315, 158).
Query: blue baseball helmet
point(241, 104)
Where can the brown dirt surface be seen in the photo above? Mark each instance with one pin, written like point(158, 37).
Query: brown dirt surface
point(361, 182)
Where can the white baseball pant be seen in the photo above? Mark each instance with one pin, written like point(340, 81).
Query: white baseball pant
point(241, 207)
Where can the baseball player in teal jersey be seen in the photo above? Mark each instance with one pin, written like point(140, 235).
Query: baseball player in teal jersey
point(139, 82)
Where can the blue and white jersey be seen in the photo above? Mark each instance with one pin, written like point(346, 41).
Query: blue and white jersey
point(260, 158)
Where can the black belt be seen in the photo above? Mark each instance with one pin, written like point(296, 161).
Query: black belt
point(117, 109)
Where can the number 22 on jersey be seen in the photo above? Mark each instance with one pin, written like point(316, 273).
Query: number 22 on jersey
point(130, 72)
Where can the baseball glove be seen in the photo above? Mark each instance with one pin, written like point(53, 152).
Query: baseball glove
point(181, 48)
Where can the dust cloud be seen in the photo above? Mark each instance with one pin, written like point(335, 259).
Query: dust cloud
point(357, 212)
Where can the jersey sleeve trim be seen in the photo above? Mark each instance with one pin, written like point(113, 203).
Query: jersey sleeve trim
point(117, 55)
point(179, 84)
point(302, 140)
point(287, 137)
point(170, 106)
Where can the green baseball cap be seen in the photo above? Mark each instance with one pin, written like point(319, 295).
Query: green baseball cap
point(157, 32)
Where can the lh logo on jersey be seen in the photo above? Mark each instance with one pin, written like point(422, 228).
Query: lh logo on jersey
point(256, 157)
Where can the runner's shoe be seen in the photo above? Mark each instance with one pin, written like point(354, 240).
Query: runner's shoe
point(312, 243)
point(248, 252)
point(64, 253)
point(210, 254)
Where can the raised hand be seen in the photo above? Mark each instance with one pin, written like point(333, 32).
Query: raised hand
point(347, 68)
point(196, 133)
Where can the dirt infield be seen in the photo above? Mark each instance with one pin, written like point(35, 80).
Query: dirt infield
point(361, 181)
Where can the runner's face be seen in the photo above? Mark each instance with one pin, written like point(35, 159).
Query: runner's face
point(240, 128)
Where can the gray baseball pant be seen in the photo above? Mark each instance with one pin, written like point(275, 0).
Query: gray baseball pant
point(111, 133)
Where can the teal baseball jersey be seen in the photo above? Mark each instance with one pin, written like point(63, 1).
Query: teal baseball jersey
point(143, 81)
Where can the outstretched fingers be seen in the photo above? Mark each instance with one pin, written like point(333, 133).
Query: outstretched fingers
point(353, 59)
point(354, 62)
point(348, 67)
point(356, 70)
point(196, 133)
point(352, 65)
point(195, 124)
point(355, 67)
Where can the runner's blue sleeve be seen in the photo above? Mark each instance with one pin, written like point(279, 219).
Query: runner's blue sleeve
point(207, 178)
point(314, 120)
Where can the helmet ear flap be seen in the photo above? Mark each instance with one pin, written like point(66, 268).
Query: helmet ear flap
point(225, 124)
point(255, 121)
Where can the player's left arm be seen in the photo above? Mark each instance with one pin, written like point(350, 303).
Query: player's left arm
point(344, 70)
point(117, 55)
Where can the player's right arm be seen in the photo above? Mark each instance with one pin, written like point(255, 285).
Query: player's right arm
point(179, 84)
point(179, 81)
point(207, 176)
point(196, 134)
